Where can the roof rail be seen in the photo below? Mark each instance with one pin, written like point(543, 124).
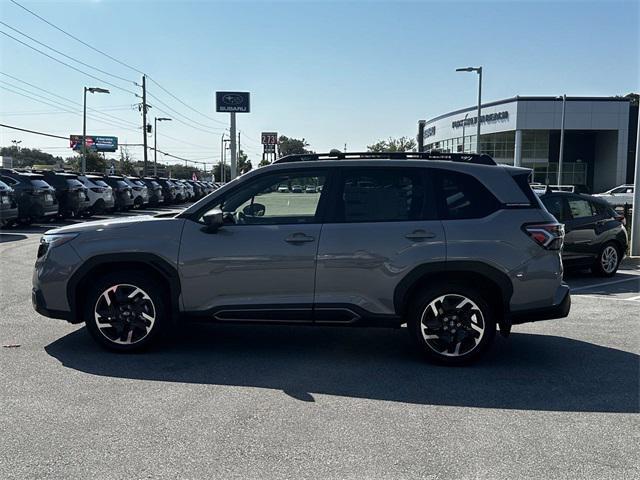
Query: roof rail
point(480, 159)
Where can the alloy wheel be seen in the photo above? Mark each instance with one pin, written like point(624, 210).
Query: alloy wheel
point(609, 259)
point(452, 325)
point(124, 314)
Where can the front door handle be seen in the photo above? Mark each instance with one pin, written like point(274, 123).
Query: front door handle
point(420, 235)
point(299, 238)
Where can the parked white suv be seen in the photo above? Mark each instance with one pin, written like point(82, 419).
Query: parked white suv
point(100, 194)
point(618, 196)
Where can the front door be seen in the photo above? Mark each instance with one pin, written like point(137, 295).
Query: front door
point(260, 265)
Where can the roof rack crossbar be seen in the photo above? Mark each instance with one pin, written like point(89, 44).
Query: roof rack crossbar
point(480, 159)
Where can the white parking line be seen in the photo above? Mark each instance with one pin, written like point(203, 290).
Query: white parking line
point(605, 297)
point(604, 284)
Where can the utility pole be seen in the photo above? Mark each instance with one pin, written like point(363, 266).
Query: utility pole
point(561, 157)
point(239, 149)
point(234, 160)
point(144, 122)
point(635, 215)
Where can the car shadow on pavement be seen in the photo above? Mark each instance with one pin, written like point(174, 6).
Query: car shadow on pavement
point(620, 283)
point(525, 372)
point(7, 237)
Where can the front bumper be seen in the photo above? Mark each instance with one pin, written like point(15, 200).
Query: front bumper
point(39, 305)
point(559, 309)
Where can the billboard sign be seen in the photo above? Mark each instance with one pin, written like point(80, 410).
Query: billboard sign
point(94, 143)
point(237, 102)
point(269, 138)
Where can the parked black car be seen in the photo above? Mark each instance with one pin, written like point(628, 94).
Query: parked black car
point(198, 189)
point(8, 205)
point(156, 197)
point(168, 190)
point(122, 192)
point(595, 235)
point(36, 198)
point(72, 195)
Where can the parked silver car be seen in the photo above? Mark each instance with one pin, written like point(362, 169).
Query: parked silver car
point(453, 245)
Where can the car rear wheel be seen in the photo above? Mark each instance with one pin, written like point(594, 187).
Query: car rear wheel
point(125, 311)
point(451, 324)
point(608, 260)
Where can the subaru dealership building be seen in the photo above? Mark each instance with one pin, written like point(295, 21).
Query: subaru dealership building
point(599, 139)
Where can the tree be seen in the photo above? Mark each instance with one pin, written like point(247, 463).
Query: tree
point(402, 144)
point(26, 157)
point(127, 166)
point(244, 164)
point(264, 162)
point(292, 146)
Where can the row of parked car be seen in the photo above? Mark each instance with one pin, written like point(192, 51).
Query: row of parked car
point(28, 196)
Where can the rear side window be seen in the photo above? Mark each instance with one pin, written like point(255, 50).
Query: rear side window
point(581, 208)
point(381, 195)
point(39, 184)
point(462, 196)
point(556, 207)
point(74, 182)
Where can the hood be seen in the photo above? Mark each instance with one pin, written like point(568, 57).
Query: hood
point(116, 223)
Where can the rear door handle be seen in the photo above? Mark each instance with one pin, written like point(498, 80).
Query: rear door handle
point(420, 235)
point(299, 238)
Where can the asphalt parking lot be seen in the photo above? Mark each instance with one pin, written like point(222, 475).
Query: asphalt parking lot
point(558, 399)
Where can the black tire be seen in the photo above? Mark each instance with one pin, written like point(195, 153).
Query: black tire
point(118, 338)
point(608, 260)
point(454, 341)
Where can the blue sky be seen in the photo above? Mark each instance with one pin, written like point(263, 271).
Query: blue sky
point(331, 72)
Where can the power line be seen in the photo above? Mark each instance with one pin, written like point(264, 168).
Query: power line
point(69, 111)
point(67, 65)
point(206, 129)
point(77, 39)
point(61, 97)
point(137, 70)
point(34, 132)
point(185, 104)
point(67, 56)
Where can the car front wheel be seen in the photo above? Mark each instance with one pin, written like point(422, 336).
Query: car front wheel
point(125, 311)
point(451, 325)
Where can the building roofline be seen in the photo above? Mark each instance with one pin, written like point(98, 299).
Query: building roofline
point(528, 99)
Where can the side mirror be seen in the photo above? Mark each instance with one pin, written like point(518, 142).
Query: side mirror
point(213, 219)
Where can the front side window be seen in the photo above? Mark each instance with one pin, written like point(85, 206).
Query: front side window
point(580, 208)
point(381, 195)
point(263, 201)
point(464, 197)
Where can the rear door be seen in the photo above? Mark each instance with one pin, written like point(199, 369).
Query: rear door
point(584, 226)
point(381, 223)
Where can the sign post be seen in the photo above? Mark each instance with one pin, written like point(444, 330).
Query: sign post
point(233, 102)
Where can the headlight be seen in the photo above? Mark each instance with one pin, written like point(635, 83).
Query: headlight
point(54, 240)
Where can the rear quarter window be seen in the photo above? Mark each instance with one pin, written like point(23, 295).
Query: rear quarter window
point(461, 196)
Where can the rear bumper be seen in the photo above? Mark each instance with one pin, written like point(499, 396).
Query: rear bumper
point(9, 213)
point(559, 309)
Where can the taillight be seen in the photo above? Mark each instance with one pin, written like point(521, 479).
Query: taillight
point(620, 218)
point(547, 235)
point(97, 189)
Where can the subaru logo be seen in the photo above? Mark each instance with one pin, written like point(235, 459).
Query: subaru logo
point(232, 99)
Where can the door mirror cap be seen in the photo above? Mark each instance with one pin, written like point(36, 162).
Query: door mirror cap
point(213, 219)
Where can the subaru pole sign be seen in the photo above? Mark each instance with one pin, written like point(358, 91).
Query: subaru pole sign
point(232, 102)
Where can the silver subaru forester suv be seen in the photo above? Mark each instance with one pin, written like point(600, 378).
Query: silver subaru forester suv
point(452, 245)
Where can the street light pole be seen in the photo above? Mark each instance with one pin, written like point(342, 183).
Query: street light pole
point(478, 70)
point(561, 156)
point(84, 124)
point(155, 143)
